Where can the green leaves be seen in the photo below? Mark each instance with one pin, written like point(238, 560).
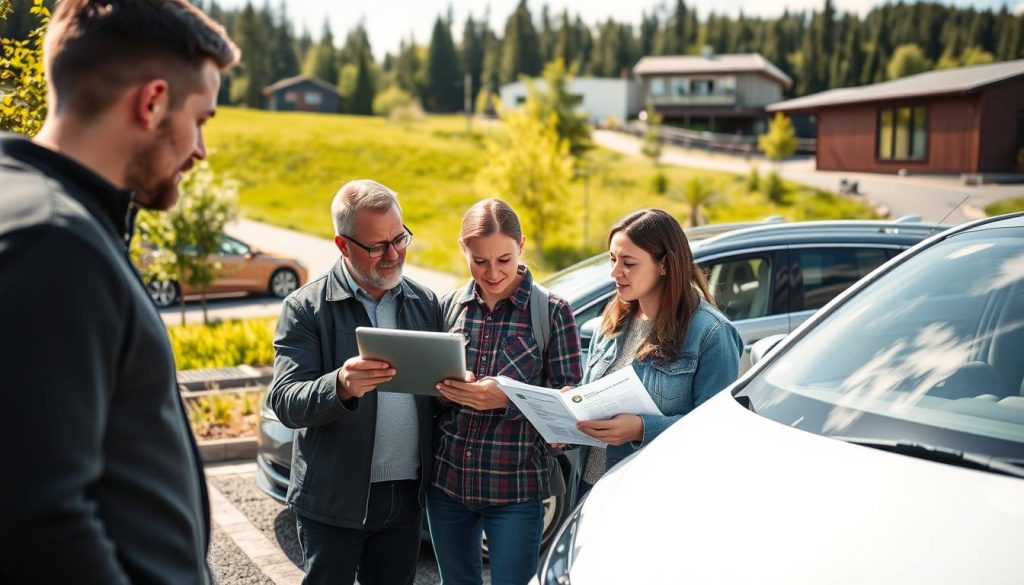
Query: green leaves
point(180, 241)
point(780, 141)
point(22, 84)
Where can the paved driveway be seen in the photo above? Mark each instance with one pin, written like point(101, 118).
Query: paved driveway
point(931, 196)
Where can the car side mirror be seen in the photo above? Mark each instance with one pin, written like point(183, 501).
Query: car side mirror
point(764, 345)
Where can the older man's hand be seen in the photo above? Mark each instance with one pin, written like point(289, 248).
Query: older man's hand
point(358, 376)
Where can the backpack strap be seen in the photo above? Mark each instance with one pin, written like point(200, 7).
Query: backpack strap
point(540, 317)
point(451, 308)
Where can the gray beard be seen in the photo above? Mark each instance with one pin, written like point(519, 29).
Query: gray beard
point(378, 280)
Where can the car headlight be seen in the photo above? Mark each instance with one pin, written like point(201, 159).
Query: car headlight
point(558, 562)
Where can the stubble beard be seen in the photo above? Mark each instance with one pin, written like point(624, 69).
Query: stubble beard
point(143, 176)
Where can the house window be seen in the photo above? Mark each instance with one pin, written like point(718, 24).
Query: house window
point(702, 87)
point(680, 86)
point(902, 133)
point(291, 96)
point(657, 88)
point(313, 98)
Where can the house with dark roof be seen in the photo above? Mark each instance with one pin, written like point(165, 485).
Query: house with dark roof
point(967, 120)
point(302, 93)
point(719, 93)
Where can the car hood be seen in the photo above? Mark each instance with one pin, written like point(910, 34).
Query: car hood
point(727, 496)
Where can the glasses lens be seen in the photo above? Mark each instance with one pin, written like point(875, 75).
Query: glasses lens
point(378, 250)
point(402, 241)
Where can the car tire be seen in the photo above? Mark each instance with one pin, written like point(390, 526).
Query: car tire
point(163, 292)
point(283, 282)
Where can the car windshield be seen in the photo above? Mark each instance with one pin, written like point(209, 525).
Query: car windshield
point(932, 353)
point(579, 281)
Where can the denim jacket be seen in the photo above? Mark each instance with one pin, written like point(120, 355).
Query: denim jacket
point(707, 363)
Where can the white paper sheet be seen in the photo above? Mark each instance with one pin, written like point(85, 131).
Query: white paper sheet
point(555, 413)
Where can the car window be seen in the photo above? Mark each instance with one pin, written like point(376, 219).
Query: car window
point(742, 286)
point(232, 247)
point(930, 352)
point(820, 274)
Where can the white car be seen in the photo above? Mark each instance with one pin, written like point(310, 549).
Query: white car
point(881, 442)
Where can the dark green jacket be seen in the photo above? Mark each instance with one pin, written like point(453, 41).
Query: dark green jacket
point(333, 450)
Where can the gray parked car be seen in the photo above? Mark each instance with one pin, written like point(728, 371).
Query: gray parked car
point(767, 277)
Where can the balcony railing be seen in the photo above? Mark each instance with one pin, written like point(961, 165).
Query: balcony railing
point(695, 100)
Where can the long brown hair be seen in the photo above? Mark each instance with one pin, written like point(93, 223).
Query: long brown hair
point(660, 235)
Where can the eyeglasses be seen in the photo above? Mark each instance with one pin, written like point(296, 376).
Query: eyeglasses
point(378, 250)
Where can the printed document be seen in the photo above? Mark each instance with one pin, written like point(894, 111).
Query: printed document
point(554, 413)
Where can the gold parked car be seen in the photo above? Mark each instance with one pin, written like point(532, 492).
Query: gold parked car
point(243, 269)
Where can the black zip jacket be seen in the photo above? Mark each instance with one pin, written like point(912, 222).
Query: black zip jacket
point(103, 482)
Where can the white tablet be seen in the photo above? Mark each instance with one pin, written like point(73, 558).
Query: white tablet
point(421, 359)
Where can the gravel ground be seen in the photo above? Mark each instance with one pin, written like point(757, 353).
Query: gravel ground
point(229, 564)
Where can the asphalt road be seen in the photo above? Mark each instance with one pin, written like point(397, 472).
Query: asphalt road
point(232, 566)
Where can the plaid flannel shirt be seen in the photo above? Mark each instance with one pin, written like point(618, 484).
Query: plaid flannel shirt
point(496, 457)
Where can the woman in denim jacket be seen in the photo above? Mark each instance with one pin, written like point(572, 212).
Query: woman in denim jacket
point(663, 322)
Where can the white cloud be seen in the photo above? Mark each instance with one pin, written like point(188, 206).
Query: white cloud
point(1020, 8)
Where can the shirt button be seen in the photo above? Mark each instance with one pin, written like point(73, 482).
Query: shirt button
point(469, 453)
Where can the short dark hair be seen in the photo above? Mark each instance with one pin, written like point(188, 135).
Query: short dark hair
point(95, 49)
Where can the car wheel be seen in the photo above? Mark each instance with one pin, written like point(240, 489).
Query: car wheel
point(555, 512)
point(282, 282)
point(163, 292)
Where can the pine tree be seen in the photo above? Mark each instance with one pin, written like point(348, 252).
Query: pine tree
point(408, 69)
point(443, 91)
point(255, 75)
point(473, 53)
point(361, 100)
point(565, 44)
point(322, 58)
point(520, 52)
point(283, 60)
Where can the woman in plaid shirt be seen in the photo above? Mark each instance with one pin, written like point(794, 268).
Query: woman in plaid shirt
point(490, 464)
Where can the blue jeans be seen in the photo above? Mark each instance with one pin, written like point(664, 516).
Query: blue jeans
point(513, 539)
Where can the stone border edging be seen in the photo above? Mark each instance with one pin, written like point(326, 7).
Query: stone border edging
point(263, 553)
point(219, 450)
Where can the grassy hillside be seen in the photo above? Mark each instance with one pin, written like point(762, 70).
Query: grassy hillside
point(290, 165)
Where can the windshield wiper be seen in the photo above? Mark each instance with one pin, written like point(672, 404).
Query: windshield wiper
point(941, 455)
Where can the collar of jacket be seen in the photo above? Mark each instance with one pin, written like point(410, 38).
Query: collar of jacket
point(113, 207)
point(338, 290)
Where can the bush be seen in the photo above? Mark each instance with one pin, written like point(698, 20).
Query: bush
point(223, 344)
point(753, 181)
point(659, 183)
point(224, 414)
point(773, 188)
point(1005, 206)
point(391, 99)
point(407, 114)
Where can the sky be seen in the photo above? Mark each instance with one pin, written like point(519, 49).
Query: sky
point(388, 21)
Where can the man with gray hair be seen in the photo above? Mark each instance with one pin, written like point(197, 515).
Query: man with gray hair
point(361, 460)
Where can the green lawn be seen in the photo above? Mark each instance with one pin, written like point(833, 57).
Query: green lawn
point(1005, 206)
point(290, 164)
